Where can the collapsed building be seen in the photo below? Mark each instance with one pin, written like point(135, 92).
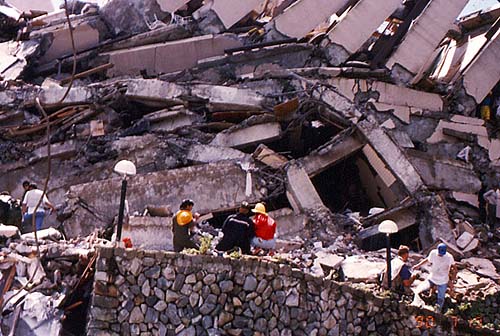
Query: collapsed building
point(338, 114)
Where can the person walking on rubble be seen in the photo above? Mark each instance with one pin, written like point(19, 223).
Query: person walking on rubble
point(183, 224)
point(265, 228)
point(29, 203)
point(441, 264)
point(238, 230)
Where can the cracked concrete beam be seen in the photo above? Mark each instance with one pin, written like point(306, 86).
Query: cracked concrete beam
point(392, 155)
point(225, 12)
point(301, 18)
point(425, 34)
point(213, 187)
point(357, 27)
point(330, 154)
point(484, 73)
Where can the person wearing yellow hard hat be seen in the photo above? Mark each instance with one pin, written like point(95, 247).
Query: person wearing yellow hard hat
point(265, 228)
point(182, 224)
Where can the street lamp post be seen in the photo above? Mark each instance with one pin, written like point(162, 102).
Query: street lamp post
point(124, 168)
point(388, 227)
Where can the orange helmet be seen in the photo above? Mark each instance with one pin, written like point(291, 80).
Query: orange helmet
point(184, 217)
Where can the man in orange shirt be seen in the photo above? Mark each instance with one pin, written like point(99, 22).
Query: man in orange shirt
point(265, 228)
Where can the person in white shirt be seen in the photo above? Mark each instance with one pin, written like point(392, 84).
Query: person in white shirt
point(441, 264)
point(30, 201)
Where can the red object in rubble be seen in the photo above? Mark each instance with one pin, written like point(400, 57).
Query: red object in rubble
point(128, 242)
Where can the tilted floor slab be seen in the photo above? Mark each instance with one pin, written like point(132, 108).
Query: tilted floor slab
point(426, 33)
point(303, 16)
point(247, 136)
point(484, 72)
point(360, 23)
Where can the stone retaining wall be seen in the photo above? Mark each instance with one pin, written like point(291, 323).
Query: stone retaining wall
point(164, 293)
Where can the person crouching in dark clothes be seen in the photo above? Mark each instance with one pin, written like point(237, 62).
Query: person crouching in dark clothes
point(182, 225)
point(238, 230)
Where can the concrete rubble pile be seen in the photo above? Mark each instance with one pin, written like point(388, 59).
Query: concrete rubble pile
point(338, 114)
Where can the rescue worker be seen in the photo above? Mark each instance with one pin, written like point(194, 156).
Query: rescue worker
point(238, 230)
point(183, 224)
point(265, 228)
point(441, 264)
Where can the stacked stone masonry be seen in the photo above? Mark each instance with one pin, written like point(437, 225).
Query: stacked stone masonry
point(164, 293)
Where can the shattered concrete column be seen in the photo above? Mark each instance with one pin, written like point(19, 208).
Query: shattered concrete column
point(218, 15)
point(435, 224)
point(424, 36)
point(483, 74)
point(357, 27)
point(392, 155)
point(301, 18)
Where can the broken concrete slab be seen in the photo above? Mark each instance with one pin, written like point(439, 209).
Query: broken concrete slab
point(371, 237)
point(289, 222)
point(471, 199)
point(379, 166)
point(150, 233)
point(435, 224)
point(400, 96)
point(464, 240)
point(227, 12)
point(482, 75)
point(59, 150)
point(329, 260)
point(357, 27)
point(36, 5)
point(440, 173)
point(392, 155)
point(483, 267)
point(86, 35)
point(425, 34)
point(15, 56)
point(494, 152)
point(251, 135)
point(361, 269)
point(479, 131)
point(154, 90)
point(170, 6)
point(171, 120)
point(219, 186)
point(181, 54)
point(209, 154)
point(301, 190)
point(269, 157)
point(332, 152)
point(310, 14)
point(223, 98)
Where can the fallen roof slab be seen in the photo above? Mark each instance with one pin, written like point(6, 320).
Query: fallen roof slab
point(229, 12)
point(301, 190)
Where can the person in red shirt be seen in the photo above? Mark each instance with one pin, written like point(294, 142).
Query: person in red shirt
point(265, 228)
